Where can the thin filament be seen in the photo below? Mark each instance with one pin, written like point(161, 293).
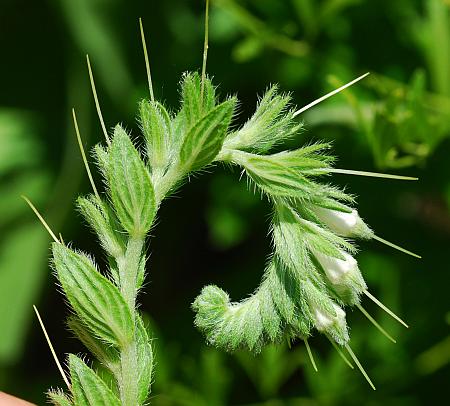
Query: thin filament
point(147, 63)
point(395, 246)
point(317, 101)
point(205, 51)
point(374, 322)
point(41, 219)
point(58, 364)
point(370, 174)
point(339, 351)
point(308, 349)
point(83, 155)
point(97, 104)
point(387, 310)
point(358, 364)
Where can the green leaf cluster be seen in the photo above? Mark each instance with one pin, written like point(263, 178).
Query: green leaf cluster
point(106, 319)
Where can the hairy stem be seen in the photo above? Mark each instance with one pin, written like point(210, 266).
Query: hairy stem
point(166, 182)
point(128, 377)
point(128, 270)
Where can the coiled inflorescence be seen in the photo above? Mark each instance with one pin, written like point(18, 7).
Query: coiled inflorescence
point(311, 274)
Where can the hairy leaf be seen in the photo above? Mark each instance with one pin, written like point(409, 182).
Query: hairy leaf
point(59, 398)
point(102, 158)
point(300, 233)
point(156, 126)
point(145, 360)
point(87, 387)
point(204, 140)
point(93, 297)
point(274, 178)
point(307, 160)
point(130, 186)
point(271, 124)
point(102, 221)
point(106, 354)
point(193, 106)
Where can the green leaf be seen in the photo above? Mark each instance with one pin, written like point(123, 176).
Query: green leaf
point(308, 160)
point(274, 178)
point(145, 360)
point(87, 388)
point(102, 157)
point(93, 297)
point(156, 126)
point(271, 124)
point(290, 174)
point(130, 186)
point(283, 295)
point(193, 107)
point(102, 221)
point(106, 354)
point(298, 232)
point(204, 140)
point(59, 398)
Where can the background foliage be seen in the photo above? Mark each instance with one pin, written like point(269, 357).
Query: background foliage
point(215, 230)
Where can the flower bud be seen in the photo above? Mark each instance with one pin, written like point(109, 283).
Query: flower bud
point(344, 276)
point(337, 270)
point(331, 321)
point(344, 224)
point(325, 320)
point(326, 316)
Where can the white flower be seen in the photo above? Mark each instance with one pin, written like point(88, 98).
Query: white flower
point(337, 269)
point(342, 223)
point(324, 320)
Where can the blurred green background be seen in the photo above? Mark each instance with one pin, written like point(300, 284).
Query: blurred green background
point(215, 230)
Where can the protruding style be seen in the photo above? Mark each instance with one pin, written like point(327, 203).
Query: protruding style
point(371, 174)
point(339, 351)
point(358, 364)
point(386, 309)
point(395, 246)
point(147, 63)
point(310, 354)
point(320, 99)
point(83, 154)
point(55, 357)
point(41, 219)
point(375, 323)
point(205, 50)
point(97, 104)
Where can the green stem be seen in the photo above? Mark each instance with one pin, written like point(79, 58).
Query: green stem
point(128, 375)
point(128, 270)
point(166, 182)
